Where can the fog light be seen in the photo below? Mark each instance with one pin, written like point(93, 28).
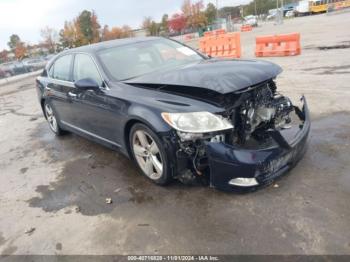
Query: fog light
point(243, 181)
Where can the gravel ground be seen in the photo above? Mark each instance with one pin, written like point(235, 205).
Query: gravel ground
point(53, 190)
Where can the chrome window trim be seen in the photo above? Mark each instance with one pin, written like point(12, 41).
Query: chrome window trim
point(89, 133)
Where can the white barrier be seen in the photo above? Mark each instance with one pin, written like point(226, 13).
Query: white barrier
point(16, 78)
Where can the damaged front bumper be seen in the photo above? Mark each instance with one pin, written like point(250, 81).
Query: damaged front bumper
point(238, 169)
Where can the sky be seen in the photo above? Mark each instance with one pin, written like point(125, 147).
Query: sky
point(26, 17)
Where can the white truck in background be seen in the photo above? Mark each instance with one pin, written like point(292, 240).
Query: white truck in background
point(303, 8)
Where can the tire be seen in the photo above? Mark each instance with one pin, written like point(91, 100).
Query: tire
point(52, 120)
point(149, 154)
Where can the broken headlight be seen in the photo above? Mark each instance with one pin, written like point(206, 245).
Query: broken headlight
point(196, 122)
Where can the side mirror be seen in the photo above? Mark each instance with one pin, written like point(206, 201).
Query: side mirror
point(86, 84)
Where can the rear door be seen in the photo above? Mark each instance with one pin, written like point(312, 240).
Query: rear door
point(60, 88)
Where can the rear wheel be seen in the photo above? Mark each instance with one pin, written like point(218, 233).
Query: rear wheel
point(149, 154)
point(52, 119)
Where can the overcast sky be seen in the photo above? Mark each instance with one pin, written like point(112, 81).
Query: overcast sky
point(27, 17)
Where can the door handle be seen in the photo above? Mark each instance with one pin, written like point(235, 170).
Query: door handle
point(72, 94)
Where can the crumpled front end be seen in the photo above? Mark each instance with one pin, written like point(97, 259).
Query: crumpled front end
point(236, 168)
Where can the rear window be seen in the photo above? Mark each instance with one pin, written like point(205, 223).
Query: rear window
point(61, 68)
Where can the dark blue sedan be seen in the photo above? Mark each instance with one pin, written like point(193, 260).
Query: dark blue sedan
point(177, 113)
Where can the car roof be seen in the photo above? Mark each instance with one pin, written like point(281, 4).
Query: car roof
point(93, 48)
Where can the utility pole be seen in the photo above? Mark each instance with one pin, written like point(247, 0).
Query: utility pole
point(277, 14)
point(255, 7)
point(282, 11)
point(217, 9)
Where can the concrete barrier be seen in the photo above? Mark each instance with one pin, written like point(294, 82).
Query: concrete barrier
point(16, 78)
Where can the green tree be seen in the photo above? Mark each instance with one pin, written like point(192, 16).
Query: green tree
point(164, 23)
point(14, 41)
point(88, 27)
point(210, 13)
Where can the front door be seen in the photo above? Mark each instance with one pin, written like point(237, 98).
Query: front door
point(95, 114)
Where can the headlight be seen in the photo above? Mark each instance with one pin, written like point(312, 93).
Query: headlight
point(196, 122)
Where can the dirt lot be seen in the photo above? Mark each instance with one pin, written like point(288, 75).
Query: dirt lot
point(53, 190)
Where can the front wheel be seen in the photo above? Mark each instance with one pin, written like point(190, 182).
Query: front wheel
point(149, 154)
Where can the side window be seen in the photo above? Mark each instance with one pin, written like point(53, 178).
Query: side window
point(84, 67)
point(61, 68)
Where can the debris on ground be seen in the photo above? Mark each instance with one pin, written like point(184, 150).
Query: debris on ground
point(117, 190)
point(29, 231)
point(276, 186)
point(77, 209)
point(109, 201)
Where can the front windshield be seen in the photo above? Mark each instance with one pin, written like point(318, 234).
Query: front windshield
point(128, 61)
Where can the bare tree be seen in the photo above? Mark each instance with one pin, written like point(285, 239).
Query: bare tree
point(50, 38)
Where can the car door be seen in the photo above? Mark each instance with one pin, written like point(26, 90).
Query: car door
point(96, 112)
point(60, 86)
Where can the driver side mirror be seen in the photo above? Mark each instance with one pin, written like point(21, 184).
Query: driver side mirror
point(86, 84)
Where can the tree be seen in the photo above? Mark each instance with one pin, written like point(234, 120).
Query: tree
point(210, 13)
point(50, 38)
point(262, 7)
point(195, 17)
point(151, 26)
point(146, 23)
point(14, 40)
point(17, 46)
point(233, 11)
point(83, 30)
point(88, 28)
point(3, 56)
point(186, 8)
point(20, 50)
point(177, 23)
point(115, 32)
point(68, 35)
point(164, 23)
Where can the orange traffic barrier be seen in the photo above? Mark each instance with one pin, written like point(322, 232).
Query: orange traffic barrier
point(246, 28)
point(208, 33)
point(214, 32)
point(224, 45)
point(278, 45)
point(219, 31)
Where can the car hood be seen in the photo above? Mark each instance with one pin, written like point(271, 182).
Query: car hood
point(222, 76)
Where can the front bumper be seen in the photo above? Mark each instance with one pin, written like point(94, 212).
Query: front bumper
point(228, 162)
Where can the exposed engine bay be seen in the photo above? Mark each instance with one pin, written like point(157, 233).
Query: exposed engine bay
point(263, 109)
point(253, 112)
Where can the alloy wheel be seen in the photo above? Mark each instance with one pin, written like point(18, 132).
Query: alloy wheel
point(147, 154)
point(50, 116)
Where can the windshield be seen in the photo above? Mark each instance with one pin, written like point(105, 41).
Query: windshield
point(128, 61)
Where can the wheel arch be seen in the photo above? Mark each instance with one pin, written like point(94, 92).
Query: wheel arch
point(127, 128)
point(126, 134)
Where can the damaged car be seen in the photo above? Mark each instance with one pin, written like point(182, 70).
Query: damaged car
point(176, 112)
